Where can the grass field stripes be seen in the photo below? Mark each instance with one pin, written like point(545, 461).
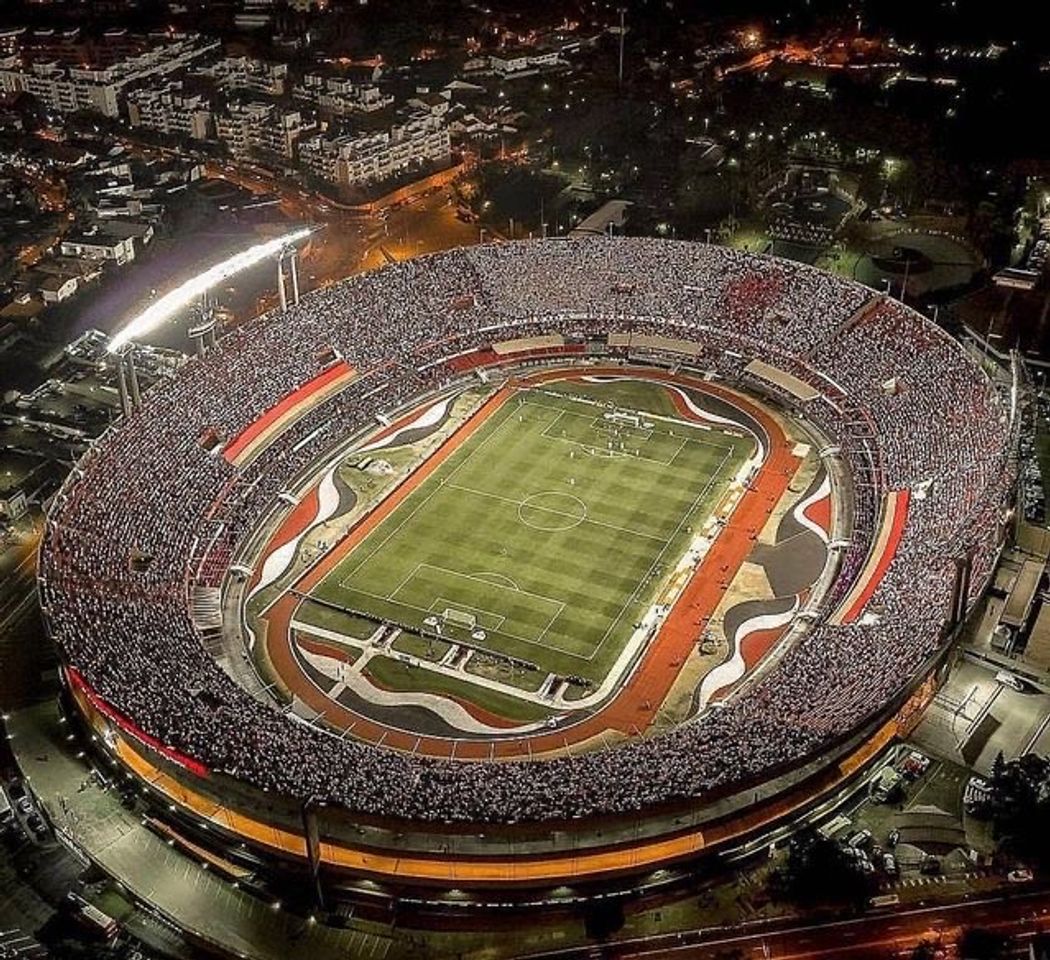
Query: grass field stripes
point(598, 437)
point(483, 594)
point(659, 557)
point(555, 554)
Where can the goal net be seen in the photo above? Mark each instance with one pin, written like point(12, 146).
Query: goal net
point(459, 618)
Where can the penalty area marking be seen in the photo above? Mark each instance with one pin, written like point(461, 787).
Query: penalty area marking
point(597, 451)
point(554, 606)
point(482, 616)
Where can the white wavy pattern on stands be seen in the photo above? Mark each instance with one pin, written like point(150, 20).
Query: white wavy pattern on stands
point(699, 412)
point(428, 418)
point(733, 669)
point(799, 513)
point(280, 559)
point(452, 713)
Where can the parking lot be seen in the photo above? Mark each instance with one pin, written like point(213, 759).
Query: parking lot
point(974, 717)
point(915, 833)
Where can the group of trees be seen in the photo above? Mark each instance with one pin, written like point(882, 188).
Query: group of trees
point(1019, 806)
point(974, 943)
point(819, 871)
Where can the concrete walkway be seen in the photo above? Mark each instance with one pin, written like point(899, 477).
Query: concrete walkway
point(173, 884)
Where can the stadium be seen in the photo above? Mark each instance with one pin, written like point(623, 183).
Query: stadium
point(527, 567)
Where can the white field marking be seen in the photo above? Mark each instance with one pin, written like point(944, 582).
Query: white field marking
point(483, 574)
point(601, 425)
point(681, 447)
point(469, 576)
point(688, 513)
point(553, 601)
point(575, 520)
point(520, 503)
point(443, 481)
point(508, 418)
point(702, 427)
point(597, 450)
point(443, 603)
point(447, 481)
point(411, 513)
point(411, 573)
point(503, 633)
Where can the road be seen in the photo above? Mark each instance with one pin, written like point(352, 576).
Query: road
point(886, 934)
point(22, 654)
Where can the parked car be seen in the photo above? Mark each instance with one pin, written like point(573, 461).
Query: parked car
point(835, 827)
point(976, 795)
point(930, 867)
point(889, 864)
point(1020, 875)
point(886, 787)
point(915, 765)
point(859, 840)
point(1010, 680)
point(893, 838)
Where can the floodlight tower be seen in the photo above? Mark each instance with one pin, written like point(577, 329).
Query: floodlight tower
point(133, 376)
point(128, 379)
point(202, 330)
point(623, 12)
point(293, 266)
point(289, 253)
point(122, 387)
point(282, 295)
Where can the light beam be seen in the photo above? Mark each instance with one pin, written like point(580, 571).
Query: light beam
point(184, 294)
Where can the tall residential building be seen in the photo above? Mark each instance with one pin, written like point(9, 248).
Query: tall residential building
point(168, 109)
point(247, 128)
point(340, 97)
point(357, 160)
point(248, 75)
point(65, 89)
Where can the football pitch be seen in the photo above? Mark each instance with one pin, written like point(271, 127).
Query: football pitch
point(551, 528)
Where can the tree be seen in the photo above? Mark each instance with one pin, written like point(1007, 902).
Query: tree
point(976, 943)
point(1019, 804)
point(820, 871)
point(927, 950)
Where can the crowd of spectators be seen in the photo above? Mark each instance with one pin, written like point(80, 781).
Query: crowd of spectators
point(126, 536)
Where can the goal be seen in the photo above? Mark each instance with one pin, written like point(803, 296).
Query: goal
point(459, 618)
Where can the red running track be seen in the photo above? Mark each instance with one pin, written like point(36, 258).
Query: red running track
point(633, 708)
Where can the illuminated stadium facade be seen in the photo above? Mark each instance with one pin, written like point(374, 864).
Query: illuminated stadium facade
point(220, 513)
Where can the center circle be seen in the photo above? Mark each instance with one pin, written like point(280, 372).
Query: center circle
point(552, 511)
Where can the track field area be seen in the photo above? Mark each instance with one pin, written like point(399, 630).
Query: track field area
point(550, 529)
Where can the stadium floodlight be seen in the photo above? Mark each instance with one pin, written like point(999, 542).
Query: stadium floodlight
point(184, 294)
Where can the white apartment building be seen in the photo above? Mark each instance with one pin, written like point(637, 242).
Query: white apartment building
point(248, 127)
point(247, 74)
point(99, 247)
point(68, 89)
point(168, 109)
point(339, 97)
point(254, 14)
point(510, 64)
point(359, 160)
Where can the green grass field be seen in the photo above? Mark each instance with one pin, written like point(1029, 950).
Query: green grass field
point(552, 526)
